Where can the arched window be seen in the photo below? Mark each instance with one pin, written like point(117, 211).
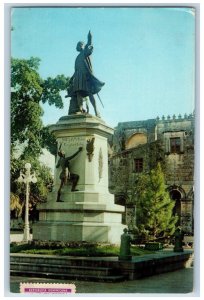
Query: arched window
point(136, 140)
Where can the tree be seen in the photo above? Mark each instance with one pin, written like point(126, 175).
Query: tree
point(154, 213)
point(28, 91)
point(48, 140)
point(38, 191)
point(28, 136)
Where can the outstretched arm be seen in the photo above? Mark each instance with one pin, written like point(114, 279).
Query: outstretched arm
point(58, 164)
point(89, 43)
point(89, 47)
point(75, 154)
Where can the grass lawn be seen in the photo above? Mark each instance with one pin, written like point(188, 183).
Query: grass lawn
point(86, 250)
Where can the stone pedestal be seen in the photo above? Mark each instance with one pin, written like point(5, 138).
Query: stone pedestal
point(90, 213)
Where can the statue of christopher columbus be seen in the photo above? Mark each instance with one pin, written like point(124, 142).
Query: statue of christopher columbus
point(83, 83)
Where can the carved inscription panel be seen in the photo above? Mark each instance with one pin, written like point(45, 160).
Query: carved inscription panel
point(71, 142)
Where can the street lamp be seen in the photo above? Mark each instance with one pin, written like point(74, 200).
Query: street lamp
point(27, 178)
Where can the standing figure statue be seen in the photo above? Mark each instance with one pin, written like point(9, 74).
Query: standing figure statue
point(125, 253)
point(83, 83)
point(65, 174)
point(178, 235)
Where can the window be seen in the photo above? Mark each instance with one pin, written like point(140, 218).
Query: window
point(175, 145)
point(138, 165)
point(174, 142)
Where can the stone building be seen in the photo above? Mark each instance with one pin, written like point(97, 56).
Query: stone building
point(139, 145)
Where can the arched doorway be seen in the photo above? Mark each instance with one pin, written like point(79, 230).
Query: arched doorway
point(176, 196)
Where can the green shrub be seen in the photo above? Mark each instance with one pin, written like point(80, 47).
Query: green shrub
point(154, 246)
point(74, 249)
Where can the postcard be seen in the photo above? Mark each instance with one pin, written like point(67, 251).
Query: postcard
point(102, 117)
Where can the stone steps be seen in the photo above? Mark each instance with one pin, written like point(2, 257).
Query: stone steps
point(83, 277)
point(63, 268)
point(56, 260)
point(107, 269)
point(99, 271)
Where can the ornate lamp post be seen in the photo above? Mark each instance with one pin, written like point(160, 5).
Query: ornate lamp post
point(27, 178)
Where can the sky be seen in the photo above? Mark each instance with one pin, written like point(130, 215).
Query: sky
point(145, 56)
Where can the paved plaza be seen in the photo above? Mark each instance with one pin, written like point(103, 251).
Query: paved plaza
point(179, 282)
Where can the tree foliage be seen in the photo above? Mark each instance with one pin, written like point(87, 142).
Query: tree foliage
point(28, 135)
point(28, 91)
point(38, 191)
point(48, 140)
point(52, 88)
point(154, 208)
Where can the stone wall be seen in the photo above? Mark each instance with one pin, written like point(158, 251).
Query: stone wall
point(147, 143)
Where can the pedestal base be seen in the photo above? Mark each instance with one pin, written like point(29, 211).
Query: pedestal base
point(91, 217)
point(90, 214)
point(84, 231)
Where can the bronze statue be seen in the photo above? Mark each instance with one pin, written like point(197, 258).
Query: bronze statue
point(83, 83)
point(125, 253)
point(74, 107)
point(90, 148)
point(65, 174)
point(178, 235)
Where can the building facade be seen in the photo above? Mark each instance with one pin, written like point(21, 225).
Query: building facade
point(138, 146)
